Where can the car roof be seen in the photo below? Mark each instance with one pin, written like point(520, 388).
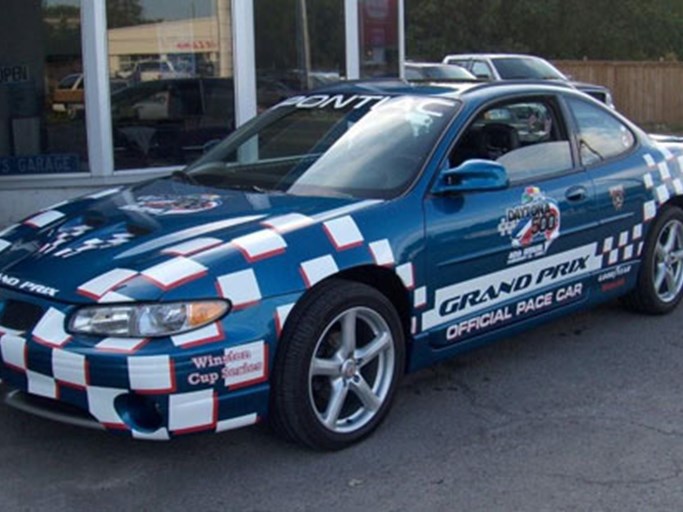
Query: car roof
point(492, 56)
point(455, 90)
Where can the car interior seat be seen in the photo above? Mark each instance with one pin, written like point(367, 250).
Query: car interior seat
point(496, 139)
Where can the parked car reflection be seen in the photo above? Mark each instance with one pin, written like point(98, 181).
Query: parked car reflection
point(167, 122)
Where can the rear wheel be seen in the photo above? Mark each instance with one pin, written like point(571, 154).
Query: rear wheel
point(340, 360)
point(660, 281)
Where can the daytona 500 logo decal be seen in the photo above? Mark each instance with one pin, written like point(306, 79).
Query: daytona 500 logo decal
point(532, 225)
point(485, 292)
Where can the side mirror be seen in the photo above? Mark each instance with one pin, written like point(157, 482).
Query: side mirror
point(472, 175)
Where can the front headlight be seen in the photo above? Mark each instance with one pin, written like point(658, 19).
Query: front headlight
point(146, 320)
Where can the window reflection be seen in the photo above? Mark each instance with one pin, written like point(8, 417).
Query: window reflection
point(171, 72)
point(378, 38)
point(42, 130)
point(299, 46)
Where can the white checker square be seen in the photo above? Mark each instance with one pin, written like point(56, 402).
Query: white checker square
point(121, 345)
point(192, 246)
point(4, 244)
point(668, 155)
point(41, 385)
point(648, 181)
point(662, 193)
point(50, 329)
point(413, 326)
point(623, 238)
point(649, 160)
point(420, 297)
point(188, 412)
point(281, 314)
point(43, 219)
point(628, 252)
point(69, 368)
point(241, 288)
point(100, 285)
point(678, 186)
point(157, 435)
point(405, 272)
point(664, 171)
point(382, 253)
point(649, 210)
point(233, 423)
point(640, 248)
point(613, 257)
point(286, 223)
point(315, 270)
point(208, 334)
point(101, 405)
point(637, 231)
point(608, 244)
point(343, 232)
point(13, 350)
point(173, 273)
point(112, 297)
point(261, 244)
point(152, 374)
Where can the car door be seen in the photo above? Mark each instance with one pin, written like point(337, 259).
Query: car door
point(500, 257)
point(630, 183)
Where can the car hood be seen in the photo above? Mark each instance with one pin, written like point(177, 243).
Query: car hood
point(151, 239)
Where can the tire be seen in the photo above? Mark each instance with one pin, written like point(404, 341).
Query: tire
point(660, 281)
point(340, 359)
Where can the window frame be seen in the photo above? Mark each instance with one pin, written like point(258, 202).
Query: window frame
point(558, 108)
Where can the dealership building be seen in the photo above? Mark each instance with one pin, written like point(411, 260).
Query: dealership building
point(96, 93)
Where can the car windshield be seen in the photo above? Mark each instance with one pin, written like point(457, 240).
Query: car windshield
point(367, 146)
point(511, 68)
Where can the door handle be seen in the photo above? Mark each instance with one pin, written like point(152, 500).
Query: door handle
point(576, 193)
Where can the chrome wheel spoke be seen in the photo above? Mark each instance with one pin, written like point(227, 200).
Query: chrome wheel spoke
point(670, 281)
point(348, 333)
point(660, 276)
point(334, 406)
point(365, 393)
point(671, 238)
point(325, 367)
point(370, 351)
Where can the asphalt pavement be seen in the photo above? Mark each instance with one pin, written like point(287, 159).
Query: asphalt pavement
point(581, 414)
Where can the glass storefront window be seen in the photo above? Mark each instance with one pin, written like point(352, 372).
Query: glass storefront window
point(171, 77)
point(379, 38)
point(299, 46)
point(42, 127)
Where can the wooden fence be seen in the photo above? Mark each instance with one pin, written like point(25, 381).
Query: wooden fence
point(646, 92)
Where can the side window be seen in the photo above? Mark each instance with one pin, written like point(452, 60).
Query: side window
point(527, 137)
point(600, 135)
point(481, 70)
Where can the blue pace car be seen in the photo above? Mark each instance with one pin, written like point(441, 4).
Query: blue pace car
point(344, 237)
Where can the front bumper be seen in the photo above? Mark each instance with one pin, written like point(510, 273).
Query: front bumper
point(213, 379)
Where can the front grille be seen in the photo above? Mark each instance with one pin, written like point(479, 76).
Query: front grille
point(19, 315)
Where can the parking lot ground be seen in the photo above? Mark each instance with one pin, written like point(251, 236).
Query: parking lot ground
point(585, 413)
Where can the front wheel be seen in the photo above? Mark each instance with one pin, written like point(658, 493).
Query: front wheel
point(340, 360)
point(660, 281)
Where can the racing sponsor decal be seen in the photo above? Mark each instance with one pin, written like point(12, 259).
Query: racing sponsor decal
point(174, 205)
point(532, 225)
point(485, 292)
point(521, 309)
point(614, 277)
point(617, 195)
point(67, 234)
point(430, 107)
point(29, 286)
point(239, 366)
